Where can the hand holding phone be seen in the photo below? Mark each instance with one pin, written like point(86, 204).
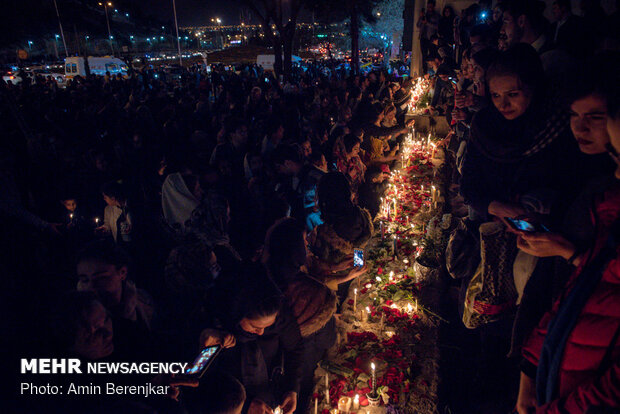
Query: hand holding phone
point(358, 257)
point(526, 226)
point(202, 361)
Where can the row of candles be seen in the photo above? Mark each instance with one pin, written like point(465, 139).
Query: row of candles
point(388, 206)
point(96, 219)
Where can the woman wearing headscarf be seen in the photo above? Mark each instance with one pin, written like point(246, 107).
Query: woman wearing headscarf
point(262, 341)
point(345, 227)
point(520, 145)
point(313, 304)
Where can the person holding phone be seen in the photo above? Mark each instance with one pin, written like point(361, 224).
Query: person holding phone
point(261, 340)
point(559, 373)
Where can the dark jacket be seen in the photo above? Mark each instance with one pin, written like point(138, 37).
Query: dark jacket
point(504, 162)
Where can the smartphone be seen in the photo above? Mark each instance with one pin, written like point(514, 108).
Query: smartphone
point(202, 361)
point(523, 225)
point(358, 257)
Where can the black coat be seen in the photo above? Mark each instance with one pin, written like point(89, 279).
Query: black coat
point(280, 343)
point(494, 169)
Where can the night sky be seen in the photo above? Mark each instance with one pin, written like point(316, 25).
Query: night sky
point(196, 12)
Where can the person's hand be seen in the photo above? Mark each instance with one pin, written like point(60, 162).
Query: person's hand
point(54, 228)
point(101, 230)
point(289, 403)
point(344, 265)
point(212, 337)
point(526, 402)
point(501, 210)
point(259, 407)
point(357, 272)
point(463, 99)
point(545, 245)
point(459, 114)
point(410, 123)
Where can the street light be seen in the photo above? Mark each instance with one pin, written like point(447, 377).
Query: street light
point(107, 20)
point(61, 31)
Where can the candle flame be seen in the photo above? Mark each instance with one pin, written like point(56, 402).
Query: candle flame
point(372, 366)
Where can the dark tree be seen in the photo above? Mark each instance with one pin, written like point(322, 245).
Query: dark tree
point(330, 11)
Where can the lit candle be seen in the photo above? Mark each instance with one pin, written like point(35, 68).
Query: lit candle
point(354, 300)
point(344, 404)
point(409, 308)
point(391, 276)
point(356, 402)
point(327, 388)
point(381, 323)
point(374, 379)
point(316, 406)
point(415, 308)
point(71, 216)
point(97, 220)
point(433, 191)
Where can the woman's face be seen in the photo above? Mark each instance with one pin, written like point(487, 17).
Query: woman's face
point(94, 335)
point(258, 326)
point(306, 148)
point(478, 73)
point(466, 68)
point(355, 150)
point(111, 201)
point(509, 97)
point(588, 121)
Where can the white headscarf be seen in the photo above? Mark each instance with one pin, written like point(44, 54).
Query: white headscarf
point(177, 201)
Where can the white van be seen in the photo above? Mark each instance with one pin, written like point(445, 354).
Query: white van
point(74, 66)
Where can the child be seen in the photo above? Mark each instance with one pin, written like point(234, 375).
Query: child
point(118, 219)
point(77, 227)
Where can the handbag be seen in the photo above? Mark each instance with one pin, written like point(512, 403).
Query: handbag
point(491, 293)
point(463, 250)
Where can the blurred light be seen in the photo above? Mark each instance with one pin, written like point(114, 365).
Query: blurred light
point(115, 10)
point(57, 36)
point(110, 4)
point(126, 14)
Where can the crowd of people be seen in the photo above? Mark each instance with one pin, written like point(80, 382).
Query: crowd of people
point(149, 217)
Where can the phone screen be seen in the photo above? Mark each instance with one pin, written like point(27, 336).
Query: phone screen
point(202, 361)
point(358, 257)
point(526, 226)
